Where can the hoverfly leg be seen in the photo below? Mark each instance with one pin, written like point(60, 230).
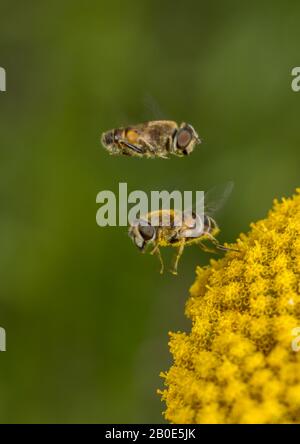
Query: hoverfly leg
point(169, 144)
point(205, 248)
point(153, 150)
point(148, 145)
point(219, 246)
point(131, 146)
point(156, 251)
point(163, 156)
point(223, 248)
point(179, 253)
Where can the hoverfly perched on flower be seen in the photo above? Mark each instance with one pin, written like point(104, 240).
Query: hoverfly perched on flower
point(157, 138)
point(145, 234)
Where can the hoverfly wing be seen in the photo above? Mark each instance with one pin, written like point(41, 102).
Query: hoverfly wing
point(216, 197)
point(153, 110)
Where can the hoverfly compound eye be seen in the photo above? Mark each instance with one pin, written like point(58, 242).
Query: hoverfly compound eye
point(184, 137)
point(147, 232)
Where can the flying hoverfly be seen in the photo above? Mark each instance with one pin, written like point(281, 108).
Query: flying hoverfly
point(144, 234)
point(157, 138)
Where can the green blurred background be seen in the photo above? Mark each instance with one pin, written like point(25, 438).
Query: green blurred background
point(86, 315)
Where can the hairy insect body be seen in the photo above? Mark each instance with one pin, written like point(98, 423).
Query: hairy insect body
point(158, 138)
point(172, 228)
point(144, 233)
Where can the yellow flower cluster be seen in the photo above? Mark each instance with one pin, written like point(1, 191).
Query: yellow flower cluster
point(239, 364)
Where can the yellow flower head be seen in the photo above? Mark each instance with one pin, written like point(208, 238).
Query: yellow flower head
point(240, 364)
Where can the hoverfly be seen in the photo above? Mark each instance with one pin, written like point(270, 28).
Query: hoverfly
point(157, 138)
point(144, 234)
